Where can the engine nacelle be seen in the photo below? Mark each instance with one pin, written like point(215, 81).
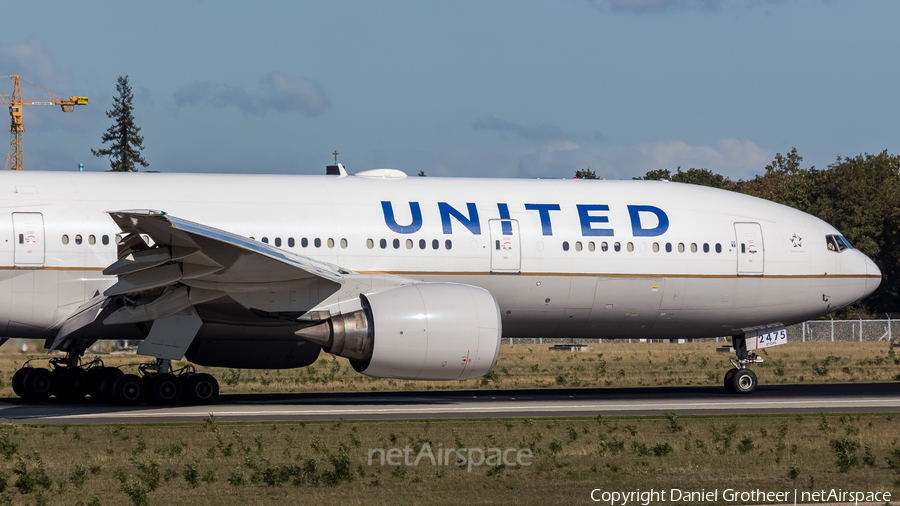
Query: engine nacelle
point(424, 331)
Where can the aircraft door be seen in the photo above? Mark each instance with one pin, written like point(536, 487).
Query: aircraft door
point(750, 251)
point(506, 251)
point(28, 236)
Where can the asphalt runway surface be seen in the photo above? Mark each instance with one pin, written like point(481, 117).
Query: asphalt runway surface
point(870, 397)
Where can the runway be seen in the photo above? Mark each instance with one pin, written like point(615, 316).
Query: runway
point(872, 397)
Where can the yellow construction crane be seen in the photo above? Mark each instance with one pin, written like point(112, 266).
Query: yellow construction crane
point(15, 158)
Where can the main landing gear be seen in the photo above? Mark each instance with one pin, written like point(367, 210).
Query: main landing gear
point(68, 379)
point(740, 379)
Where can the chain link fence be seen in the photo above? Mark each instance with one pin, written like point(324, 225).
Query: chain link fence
point(811, 331)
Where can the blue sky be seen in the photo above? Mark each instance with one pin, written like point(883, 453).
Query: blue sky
point(464, 88)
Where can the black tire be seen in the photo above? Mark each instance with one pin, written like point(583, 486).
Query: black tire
point(744, 381)
point(201, 389)
point(18, 381)
point(72, 384)
point(38, 383)
point(106, 386)
point(728, 386)
point(129, 390)
point(166, 389)
point(95, 380)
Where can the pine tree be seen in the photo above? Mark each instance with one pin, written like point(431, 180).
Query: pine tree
point(126, 145)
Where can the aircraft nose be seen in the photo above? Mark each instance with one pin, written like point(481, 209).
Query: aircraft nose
point(873, 274)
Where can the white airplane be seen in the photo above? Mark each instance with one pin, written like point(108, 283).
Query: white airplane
point(413, 278)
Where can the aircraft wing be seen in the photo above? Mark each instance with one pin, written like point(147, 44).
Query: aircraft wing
point(189, 264)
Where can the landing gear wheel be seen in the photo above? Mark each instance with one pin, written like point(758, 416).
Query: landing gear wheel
point(106, 386)
point(128, 390)
point(38, 383)
point(728, 386)
point(95, 380)
point(165, 389)
point(72, 384)
point(744, 381)
point(201, 389)
point(18, 382)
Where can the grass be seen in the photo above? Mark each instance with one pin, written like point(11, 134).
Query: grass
point(326, 462)
point(535, 366)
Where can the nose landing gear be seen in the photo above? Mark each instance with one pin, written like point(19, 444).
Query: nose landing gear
point(740, 379)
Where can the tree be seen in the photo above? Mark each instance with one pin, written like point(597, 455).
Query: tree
point(421, 173)
point(126, 143)
point(702, 177)
point(585, 174)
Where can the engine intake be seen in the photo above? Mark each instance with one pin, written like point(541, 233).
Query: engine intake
point(425, 331)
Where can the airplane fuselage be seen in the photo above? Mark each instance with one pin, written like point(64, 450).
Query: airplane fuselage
point(573, 258)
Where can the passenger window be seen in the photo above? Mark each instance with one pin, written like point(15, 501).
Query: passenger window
point(265, 240)
point(718, 248)
point(591, 246)
point(629, 247)
point(118, 238)
point(706, 247)
point(409, 244)
point(693, 247)
point(343, 243)
point(448, 244)
point(105, 239)
point(65, 239)
point(435, 244)
point(422, 243)
point(578, 246)
point(681, 247)
point(291, 242)
point(617, 247)
point(656, 247)
point(383, 243)
point(330, 243)
point(77, 239)
point(318, 242)
point(304, 242)
point(604, 246)
point(92, 240)
point(370, 243)
point(278, 242)
point(565, 245)
point(668, 247)
point(396, 243)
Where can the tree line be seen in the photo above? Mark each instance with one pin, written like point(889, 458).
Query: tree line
point(859, 196)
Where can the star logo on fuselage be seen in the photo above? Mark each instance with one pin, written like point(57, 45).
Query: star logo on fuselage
point(795, 240)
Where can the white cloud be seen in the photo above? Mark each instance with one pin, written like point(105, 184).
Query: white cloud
point(281, 93)
point(33, 61)
point(734, 158)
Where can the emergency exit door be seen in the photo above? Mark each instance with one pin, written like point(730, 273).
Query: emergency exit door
point(506, 251)
point(28, 236)
point(750, 251)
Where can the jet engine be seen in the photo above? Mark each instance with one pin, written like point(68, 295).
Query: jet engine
point(421, 331)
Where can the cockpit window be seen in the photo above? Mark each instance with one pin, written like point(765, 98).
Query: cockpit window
point(837, 243)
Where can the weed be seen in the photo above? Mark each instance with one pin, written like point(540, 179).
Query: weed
point(78, 476)
point(662, 449)
point(191, 474)
point(674, 424)
point(639, 449)
point(556, 446)
point(845, 451)
point(236, 477)
point(7, 447)
point(823, 424)
point(746, 444)
point(233, 377)
point(342, 470)
point(793, 470)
